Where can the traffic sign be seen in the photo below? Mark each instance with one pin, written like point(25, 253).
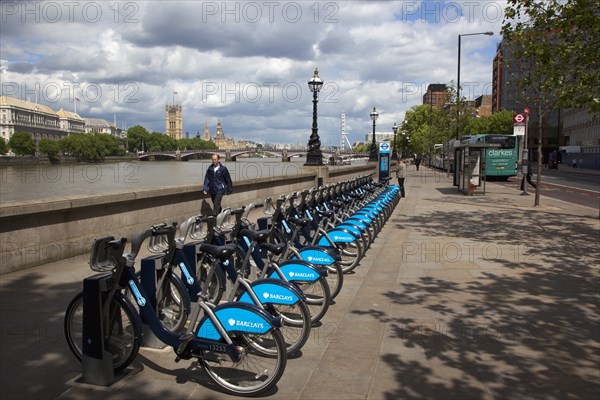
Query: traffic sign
point(519, 119)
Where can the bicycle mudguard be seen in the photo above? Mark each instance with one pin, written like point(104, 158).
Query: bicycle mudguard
point(237, 317)
point(319, 255)
point(355, 226)
point(272, 291)
point(338, 235)
point(299, 271)
point(364, 216)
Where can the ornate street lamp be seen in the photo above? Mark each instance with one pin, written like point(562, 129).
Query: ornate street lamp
point(314, 156)
point(458, 77)
point(395, 151)
point(373, 153)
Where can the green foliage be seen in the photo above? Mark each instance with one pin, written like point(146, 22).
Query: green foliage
point(426, 126)
point(3, 147)
point(22, 144)
point(88, 147)
point(196, 144)
point(361, 148)
point(158, 142)
point(135, 135)
point(50, 147)
point(555, 46)
point(500, 123)
point(556, 43)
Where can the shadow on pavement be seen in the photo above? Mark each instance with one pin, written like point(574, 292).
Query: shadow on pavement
point(526, 325)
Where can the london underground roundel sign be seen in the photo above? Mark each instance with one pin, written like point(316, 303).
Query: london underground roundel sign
point(519, 119)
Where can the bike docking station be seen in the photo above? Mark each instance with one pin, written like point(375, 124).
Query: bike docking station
point(384, 161)
point(148, 267)
point(469, 167)
point(96, 361)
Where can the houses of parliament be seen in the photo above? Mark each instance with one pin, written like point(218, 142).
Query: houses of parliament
point(174, 128)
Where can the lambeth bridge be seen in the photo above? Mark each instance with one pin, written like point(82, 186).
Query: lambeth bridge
point(334, 156)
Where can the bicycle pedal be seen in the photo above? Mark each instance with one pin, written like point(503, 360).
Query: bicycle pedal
point(185, 338)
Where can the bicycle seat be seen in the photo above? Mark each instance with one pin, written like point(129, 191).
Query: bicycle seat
point(274, 248)
point(300, 221)
point(220, 252)
point(256, 236)
point(325, 213)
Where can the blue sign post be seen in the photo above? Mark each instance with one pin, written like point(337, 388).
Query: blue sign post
point(384, 161)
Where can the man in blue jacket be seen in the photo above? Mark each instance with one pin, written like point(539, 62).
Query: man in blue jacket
point(217, 182)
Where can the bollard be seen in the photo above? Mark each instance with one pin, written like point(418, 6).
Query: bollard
point(148, 268)
point(97, 368)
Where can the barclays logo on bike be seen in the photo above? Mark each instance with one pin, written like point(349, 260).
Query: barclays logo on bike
point(325, 260)
point(245, 324)
point(293, 274)
point(273, 296)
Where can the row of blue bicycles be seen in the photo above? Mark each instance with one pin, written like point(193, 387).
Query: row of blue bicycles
point(237, 296)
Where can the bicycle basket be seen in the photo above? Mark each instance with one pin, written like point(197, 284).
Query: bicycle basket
point(105, 256)
point(199, 231)
point(158, 244)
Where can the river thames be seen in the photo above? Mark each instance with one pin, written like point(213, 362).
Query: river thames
point(45, 182)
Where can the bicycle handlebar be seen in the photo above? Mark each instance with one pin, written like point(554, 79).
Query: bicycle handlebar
point(184, 228)
point(157, 230)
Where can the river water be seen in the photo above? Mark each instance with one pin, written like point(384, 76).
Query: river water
point(50, 182)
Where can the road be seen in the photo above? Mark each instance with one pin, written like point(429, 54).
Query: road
point(580, 189)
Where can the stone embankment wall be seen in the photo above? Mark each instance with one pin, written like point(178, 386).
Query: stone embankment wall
point(36, 233)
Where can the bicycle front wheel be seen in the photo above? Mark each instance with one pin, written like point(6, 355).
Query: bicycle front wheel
point(335, 279)
point(253, 374)
point(296, 324)
point(318, 297)
point(120, 337)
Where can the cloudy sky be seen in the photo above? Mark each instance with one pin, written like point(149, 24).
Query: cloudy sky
point(245, 63)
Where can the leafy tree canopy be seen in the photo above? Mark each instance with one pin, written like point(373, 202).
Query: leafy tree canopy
point(3, 146)
point(22, 144)
point(558, 42)
point(50, 147)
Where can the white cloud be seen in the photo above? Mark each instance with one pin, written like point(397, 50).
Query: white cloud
point(246, 63)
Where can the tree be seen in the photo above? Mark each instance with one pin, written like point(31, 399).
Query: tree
point(3, 147)
point(361, 148)
point(427, 126)
point(22, 144)
point(500, 123)
point(88, 147)
point(157, 141)
point(51, 148)
point(135, 135)
point(555, 45)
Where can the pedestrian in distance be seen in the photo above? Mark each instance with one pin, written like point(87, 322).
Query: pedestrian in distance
point(574, 163)
point(401, 175)
point(217, 182)
point(417, 162)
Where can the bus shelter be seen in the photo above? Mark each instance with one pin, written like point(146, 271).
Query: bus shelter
point(469, 167)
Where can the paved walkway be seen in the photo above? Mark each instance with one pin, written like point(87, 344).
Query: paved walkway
point(458, 298)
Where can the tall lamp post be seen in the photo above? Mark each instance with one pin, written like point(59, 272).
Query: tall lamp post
point(314, 156)
point(373, 153)
point(458, 77)
point(395, 151)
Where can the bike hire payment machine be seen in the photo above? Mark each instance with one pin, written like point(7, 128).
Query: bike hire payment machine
point(384, 161)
